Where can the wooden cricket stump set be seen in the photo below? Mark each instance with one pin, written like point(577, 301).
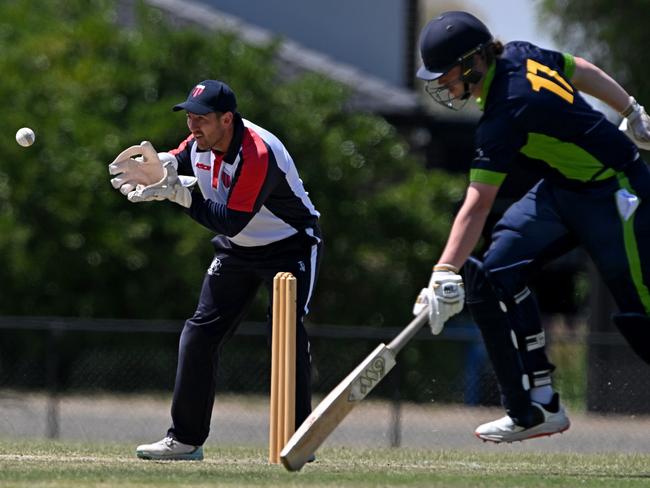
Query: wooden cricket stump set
point(283, 365)
point(296, 449)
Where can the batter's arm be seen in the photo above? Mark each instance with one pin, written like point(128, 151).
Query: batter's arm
point(468, 224)
point(592, 80)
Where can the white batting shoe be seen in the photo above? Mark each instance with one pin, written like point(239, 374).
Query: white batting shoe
point(549, 419)
point(169, 449)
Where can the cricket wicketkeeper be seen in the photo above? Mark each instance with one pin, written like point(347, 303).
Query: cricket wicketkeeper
point(238, 180)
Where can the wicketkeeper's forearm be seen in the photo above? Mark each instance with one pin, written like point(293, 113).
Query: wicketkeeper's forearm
point(218, 217)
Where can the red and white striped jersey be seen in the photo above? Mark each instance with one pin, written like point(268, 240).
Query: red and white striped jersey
point(252, 194)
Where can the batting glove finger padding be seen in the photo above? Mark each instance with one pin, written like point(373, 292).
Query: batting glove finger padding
point(427, 298)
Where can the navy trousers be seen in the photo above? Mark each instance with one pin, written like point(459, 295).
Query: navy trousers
point(229, 286)
point(545, 223)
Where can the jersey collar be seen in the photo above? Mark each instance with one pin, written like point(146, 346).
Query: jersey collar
point(487, 82)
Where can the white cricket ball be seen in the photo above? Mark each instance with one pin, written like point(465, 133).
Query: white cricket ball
point(25, 136)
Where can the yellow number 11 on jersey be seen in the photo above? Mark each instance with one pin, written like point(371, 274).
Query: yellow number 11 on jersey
point(554, 83)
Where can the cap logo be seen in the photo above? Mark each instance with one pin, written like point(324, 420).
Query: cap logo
point(198, 89)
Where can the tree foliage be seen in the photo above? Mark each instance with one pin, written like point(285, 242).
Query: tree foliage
point(91, 86)
point(611, 34)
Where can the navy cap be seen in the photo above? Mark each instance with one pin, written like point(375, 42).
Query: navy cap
point(209, 96)
point(446, 39)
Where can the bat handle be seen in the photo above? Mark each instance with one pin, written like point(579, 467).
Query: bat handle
point(409, 331)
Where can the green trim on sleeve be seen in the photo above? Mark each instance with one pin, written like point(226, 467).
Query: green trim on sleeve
point(488, 177)
point(569, 65)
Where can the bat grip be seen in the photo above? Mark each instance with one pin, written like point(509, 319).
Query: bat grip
point(409, 331)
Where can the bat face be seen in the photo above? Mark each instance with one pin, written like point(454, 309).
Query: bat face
point(335, 406)
point(371, 374)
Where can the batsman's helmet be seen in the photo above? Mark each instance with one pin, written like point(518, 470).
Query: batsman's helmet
point(448, 40)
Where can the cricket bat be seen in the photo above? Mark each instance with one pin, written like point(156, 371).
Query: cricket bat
point(348, 393)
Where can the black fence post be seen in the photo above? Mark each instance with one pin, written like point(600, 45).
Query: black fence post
point(395, 433)
point(52, 371)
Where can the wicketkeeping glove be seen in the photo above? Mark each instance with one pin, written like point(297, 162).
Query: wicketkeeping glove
point(171, 187)
point(137, 165)
point(143, 175)
point(445, 296)
point(636, 124)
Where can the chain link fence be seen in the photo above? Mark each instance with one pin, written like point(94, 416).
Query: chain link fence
point(111, 380)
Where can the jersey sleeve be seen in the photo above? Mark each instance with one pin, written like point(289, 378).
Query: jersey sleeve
point(182, 153)
point(217, 217)
point(498, 142)
point(569, 65)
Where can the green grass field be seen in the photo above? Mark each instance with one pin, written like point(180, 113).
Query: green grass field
point(56, 464)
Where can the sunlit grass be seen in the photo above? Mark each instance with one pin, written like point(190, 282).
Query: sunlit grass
point(57, 464)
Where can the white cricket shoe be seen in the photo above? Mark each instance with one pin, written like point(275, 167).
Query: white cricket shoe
point(170, 449)
point(550, 419)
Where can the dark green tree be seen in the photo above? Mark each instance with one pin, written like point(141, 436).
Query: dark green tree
point(91, 86)
point(611, 34)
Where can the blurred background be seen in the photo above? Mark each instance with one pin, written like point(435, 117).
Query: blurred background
point(94, 290)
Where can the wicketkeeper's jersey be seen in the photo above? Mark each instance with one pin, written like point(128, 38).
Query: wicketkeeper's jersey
point(251, 194)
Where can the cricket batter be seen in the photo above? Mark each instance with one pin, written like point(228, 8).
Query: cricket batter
point(249, 193)
point(594, 192)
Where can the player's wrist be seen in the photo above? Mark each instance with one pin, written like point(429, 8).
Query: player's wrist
point(631, 108)
point(445, 267)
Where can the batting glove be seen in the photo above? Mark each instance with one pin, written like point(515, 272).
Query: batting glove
point(427, 298)
point(445, 296)
point(636, 124)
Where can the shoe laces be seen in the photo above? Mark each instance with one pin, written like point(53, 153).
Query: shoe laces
point(169, 441)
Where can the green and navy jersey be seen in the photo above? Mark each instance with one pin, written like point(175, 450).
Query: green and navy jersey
point(531, 107)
